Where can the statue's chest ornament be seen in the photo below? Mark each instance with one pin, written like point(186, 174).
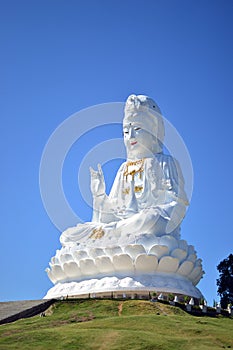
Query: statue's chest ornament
point(134, 171)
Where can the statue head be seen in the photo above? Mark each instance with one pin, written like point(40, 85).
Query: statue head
point(143, 127)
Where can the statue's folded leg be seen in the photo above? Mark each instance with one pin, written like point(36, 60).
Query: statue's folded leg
point(76, 234)
point(146, 221)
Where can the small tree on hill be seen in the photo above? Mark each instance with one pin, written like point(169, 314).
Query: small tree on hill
point(225, 281)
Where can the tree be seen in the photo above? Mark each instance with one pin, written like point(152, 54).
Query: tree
point(225, 281)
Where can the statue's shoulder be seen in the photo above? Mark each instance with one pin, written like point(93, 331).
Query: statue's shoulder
point(163, 158)
point(166, 162)
point(122, 166)
point(121, 169)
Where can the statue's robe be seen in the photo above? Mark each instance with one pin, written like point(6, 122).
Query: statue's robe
point(152, 201)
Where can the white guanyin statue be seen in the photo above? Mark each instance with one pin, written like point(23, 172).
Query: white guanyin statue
point(133, 241)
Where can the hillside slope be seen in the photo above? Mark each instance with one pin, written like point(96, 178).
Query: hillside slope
point(115, 324)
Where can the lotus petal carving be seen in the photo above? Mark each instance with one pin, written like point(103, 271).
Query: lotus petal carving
point(66, 257)
point(104, 264)
point(183, 244)
point(58, 272)
point(94, 252)
point(79, 254)
point(123, 263)
point(159, 250)
point(191, 250)
point(185, 268)
point(192, 257)
point(167, 255)
point(169, 241)
point(197, 279)
point(134, 250)
point(168, 264)
point(113, 250)
point(71, 269)
point(88, 267)
point(147, 240)
point(198, 262)
point(54, 260)
point(195, 273)
point(179, 254)
point(146, 263)
point(51, 275)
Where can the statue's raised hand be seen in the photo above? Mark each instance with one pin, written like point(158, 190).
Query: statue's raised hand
point(97, 181)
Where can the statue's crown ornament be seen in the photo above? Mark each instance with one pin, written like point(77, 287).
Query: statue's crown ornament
point(141, 102)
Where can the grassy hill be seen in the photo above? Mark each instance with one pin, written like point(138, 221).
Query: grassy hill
point(118, 325)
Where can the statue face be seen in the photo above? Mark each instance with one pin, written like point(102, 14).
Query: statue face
point(138, 142)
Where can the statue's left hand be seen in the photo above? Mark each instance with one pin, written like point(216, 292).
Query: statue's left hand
point(97, 181)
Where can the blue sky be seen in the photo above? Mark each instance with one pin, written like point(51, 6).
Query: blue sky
point(58, 57)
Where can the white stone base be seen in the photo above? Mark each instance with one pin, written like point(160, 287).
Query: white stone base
point(166, 283)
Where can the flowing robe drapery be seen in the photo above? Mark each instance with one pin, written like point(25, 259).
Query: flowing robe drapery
point(157, 208)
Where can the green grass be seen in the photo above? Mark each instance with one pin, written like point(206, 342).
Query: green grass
point(117, 325)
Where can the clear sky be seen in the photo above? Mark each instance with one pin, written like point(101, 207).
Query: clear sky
point(58, 57)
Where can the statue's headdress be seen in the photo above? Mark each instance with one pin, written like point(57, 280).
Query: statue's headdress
point(146, 112)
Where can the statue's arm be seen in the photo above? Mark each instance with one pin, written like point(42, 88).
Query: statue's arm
point(174, 181)
point(114, 207)
point(173, 198)
point(98, 191)
point(104, 206)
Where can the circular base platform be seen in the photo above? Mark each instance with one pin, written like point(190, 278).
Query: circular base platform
point(162, 283)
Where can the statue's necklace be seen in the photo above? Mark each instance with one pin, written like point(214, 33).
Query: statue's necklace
point(133, 168)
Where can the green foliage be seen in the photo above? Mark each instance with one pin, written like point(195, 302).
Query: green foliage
point(98, 325)
point(171, 297)
point(202, 301)
point(225, 281)
point(186, 299)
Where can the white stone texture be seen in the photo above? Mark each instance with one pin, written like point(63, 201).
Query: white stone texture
point(133, 241)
